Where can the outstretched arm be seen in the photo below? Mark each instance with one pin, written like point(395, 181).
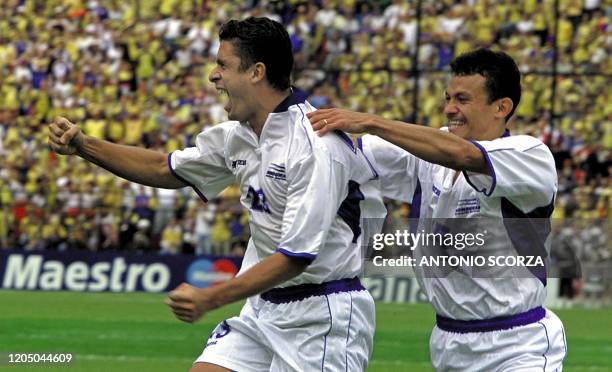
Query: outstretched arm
point(429, 144)
point(136, 164)
point(189, 303)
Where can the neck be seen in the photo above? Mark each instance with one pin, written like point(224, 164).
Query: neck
point(267, 100)
point(494, 133)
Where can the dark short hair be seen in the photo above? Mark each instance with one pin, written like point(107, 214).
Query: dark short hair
point(260, 39)
point(503, 78)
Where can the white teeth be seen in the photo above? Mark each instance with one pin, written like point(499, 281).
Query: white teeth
point(223, 96)
point(224, 99)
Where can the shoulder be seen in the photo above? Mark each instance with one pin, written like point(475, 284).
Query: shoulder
point(519, 143)
point(226, 126)
point(218, 133)
point(375, 143)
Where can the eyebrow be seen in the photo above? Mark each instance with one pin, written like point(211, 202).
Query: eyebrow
point(459, 93)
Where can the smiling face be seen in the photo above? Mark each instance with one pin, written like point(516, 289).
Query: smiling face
point(232, 84)
point(468, 110)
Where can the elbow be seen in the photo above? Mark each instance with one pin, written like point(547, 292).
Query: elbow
point(297, 265)
point(465, 156)
point(456, 155)
point(294, 265)
point(168, 177)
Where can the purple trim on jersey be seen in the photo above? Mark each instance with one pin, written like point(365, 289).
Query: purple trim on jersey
point(564, 345)
point(415, 208)
point(347, 140)
point(513, 149)
point(496, 150)
point(547, 346)
point(533, 147)
point(303, 127)
point(327, 334)
point(348, 333)
point(506, 134)
point(486, 156)
point(200, 194)
point(349, 210)
point(488, 325)
point(415, 205)
point(528, 231)
point(360, 146)
point(303, 291)
point(305, 256)
point(296, 97)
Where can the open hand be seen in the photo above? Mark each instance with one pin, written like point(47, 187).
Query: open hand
point(325, 120)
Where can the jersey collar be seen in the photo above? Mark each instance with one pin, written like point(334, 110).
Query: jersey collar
point(297, 96)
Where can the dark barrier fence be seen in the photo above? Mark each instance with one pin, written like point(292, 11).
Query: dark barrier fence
point(110, 271)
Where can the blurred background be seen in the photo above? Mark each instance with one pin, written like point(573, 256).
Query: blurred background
point(135, 72)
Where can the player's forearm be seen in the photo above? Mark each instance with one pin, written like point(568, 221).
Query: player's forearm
point(267, 274)
point(135, 164)
point(429, 144)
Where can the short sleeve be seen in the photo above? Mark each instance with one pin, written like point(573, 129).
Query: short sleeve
point(395, 167)
point(204, 167)
point(522, 170)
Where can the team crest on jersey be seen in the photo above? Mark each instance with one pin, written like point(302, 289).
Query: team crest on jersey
point(276, 172)
point(465, 206)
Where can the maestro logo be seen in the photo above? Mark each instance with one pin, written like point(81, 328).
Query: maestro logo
point(204, 273)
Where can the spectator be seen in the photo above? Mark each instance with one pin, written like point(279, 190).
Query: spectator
point(139, 80)
point(171, 238)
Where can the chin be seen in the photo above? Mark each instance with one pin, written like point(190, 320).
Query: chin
point(456, 130)
point(460, 132)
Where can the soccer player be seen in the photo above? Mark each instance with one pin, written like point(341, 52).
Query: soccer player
point(472, 169)
point(306, 308)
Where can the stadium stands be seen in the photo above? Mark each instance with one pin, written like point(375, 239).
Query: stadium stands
point(136, 73)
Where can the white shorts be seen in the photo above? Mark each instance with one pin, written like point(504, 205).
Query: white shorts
point(538, 346)
point(329, 332)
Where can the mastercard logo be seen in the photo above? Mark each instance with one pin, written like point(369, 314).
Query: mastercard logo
point(205, 273)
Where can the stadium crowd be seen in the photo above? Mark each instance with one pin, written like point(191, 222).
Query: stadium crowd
point(136, 73)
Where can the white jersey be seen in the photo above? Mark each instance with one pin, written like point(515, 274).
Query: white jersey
point(523, 184)
point(302, 191)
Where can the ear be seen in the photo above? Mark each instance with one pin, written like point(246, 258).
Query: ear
point(258, 72)
point(504, 106)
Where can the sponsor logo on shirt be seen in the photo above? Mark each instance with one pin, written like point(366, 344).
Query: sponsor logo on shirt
point(276, 172)
point(238, 162)
point(435, 190)
point(465, 206)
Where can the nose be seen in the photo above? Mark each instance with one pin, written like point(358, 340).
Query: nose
point(214, 75)
point(450, 108)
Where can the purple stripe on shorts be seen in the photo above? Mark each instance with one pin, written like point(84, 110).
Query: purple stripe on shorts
point(488, 325)
point(302, 291)
point(547, 346)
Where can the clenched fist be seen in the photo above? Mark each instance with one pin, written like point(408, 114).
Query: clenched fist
point(189, 303)
point(64, 137)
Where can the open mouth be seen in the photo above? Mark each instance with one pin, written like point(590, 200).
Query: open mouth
point(224, 98)
point(455, 124)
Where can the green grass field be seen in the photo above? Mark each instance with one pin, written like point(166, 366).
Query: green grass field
point(136, 332)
